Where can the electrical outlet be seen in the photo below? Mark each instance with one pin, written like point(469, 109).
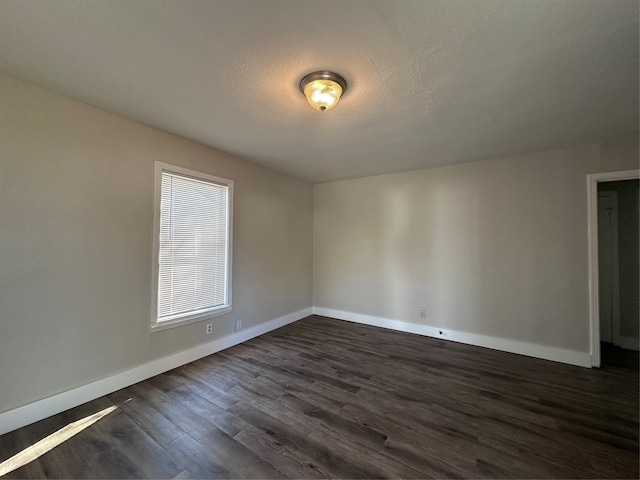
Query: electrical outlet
point(237, 325)
point(209, 328)
point(423, 314)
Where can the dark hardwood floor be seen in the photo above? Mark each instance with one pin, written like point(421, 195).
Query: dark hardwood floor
point(614, 356)
point(324, 398)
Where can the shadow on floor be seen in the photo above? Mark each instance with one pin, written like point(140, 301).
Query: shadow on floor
point(613, 356)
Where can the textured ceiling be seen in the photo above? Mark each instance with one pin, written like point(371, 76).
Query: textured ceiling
point(431, 82)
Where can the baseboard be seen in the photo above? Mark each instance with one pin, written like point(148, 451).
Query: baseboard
point(629, 343)
point(582, 359)
point(33, 412)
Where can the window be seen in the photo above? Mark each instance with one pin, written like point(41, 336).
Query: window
point(192, 247)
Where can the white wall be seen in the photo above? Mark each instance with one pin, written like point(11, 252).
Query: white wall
point(495, 248)
point(620, 154)
point(76, 215)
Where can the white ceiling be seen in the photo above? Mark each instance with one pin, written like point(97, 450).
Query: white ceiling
point(431, 82)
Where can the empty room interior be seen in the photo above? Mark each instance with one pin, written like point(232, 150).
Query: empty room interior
point(319, 239)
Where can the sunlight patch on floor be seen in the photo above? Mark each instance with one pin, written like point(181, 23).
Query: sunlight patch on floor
point(38, 449)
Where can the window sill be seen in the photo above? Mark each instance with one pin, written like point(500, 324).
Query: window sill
point(181, 322)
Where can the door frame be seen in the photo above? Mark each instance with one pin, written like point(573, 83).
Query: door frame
point(592, 230)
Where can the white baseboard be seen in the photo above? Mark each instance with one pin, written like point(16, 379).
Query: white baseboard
point(629, 343)
point(33, 412)
point(582, 359)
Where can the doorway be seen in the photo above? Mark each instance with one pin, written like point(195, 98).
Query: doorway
point(608, 266)
point(613, 267)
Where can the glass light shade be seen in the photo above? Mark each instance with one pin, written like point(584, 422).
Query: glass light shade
point(323, 94)
point(323, 89)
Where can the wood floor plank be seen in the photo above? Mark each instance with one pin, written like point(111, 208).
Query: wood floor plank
point(434, 447)
point(292, 462)
point(294, 432)
point(184, 418)
point(198, 461)
point(131, 441)
point(160, 428)
point(372, 462)
point(238, 460)
point(214, 414)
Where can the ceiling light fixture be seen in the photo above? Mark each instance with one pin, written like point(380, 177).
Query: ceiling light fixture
point(323, 89)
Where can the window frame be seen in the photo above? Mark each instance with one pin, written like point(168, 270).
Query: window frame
point(155, 325)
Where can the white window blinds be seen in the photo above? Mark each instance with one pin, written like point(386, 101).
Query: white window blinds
point(193, 250)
